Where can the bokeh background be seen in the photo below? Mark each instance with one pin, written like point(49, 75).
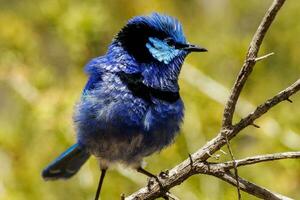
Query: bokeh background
point(45, 44)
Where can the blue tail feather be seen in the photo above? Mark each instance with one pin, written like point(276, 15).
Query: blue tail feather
point(67, 164)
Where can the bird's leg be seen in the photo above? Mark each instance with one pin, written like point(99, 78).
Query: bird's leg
point(150, 175)
point(103, 172)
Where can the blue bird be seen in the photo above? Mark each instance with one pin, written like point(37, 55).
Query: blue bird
point(130, 106)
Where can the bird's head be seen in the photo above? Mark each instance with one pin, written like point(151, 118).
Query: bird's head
point(153, 46)
point(155, 38)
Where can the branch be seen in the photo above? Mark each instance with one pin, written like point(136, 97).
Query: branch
point(186, 169)
point(196, 163)
point(251, 188)
point(236, 173)
point(257, 159)
point(265, 107)
point(216, 143)
point(250, 61)
point(221, 170)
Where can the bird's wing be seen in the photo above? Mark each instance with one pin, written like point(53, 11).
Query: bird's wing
point(95, 69)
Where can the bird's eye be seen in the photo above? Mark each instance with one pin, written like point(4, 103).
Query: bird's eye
point(170, 41)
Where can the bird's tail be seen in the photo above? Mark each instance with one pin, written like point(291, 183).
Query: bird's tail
point(67, 164)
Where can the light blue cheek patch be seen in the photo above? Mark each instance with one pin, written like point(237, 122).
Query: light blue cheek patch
point(161, 50)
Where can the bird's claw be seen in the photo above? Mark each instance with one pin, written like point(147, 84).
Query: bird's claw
point(151, 182)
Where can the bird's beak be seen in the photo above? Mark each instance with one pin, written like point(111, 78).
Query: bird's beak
point(194, 48)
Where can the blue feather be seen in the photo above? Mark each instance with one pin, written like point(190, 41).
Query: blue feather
point(161, 50)
point(67, 164)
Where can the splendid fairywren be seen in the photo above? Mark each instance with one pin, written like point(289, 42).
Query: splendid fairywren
point(130, 106)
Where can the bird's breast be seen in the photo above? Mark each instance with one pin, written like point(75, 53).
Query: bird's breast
point(119, 125)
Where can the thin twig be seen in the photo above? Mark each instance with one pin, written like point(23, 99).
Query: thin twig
point(265, 107)
point(251, 188)
point(257, 159)
point(236, 173)
point(250, 61)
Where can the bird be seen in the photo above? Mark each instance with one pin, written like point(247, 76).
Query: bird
point(130, 106)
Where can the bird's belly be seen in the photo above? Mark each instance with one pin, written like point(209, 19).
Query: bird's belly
point(130, 135)
point(125, 150)
point(129, 149)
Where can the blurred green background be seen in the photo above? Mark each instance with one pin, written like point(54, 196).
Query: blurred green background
point(45, 44)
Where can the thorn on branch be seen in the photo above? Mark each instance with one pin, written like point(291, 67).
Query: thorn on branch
point(191, 160)
point(289, 100)
point(255, 125)
point(263, 57)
